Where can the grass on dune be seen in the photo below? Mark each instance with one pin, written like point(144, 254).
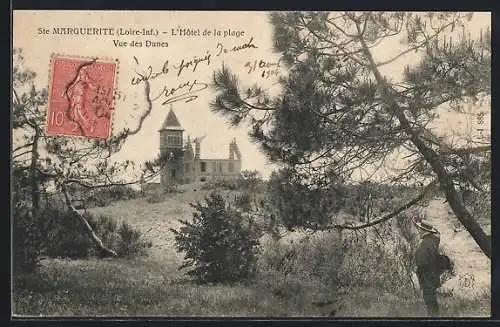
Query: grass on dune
point(142, 287)
point(134, 288)
point(153, 286)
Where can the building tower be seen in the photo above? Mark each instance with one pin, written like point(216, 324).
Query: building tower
point(171, 149)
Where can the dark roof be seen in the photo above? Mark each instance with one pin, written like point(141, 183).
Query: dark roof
point(171, 122)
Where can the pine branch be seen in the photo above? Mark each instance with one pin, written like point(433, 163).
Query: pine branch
point(377, 221)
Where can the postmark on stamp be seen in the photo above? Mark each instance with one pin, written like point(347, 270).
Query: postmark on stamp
point(81, 97)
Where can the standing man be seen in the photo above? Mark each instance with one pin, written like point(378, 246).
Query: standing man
point(430, 265)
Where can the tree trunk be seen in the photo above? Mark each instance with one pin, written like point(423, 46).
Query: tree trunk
point(104, 250)
point(453, 197)
point(35, 186)
point(445, 180)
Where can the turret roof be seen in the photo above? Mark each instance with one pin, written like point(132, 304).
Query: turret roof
point(171, 122)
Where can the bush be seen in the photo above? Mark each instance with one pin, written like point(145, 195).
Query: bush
point(65, 237)
point(308, 257)
point(219, 183)
point(327, 266)
point(121, 192)
point(299, 205)
point(156, 198)
point(130, 241)
point(26, 241)
point(244, 202)
point(382, 257)
point(171, 188)
point(368, 200)
point(219, 245)
point(250, 180)
point(26, 236)
point(302, 269)
point(480, 205)
point(106, 195)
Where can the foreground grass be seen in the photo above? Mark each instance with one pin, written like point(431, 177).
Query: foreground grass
point(133, 288)
point(142, 287)
point(373, 303)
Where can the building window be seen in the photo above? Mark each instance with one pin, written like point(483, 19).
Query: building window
point(231, 167)
point(203, 179)
point(174, 140)
point(173, 173)
point(220, 167)
point(203, 167)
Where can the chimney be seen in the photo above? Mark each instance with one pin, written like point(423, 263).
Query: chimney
point(231, 151)
point(197, 149)
point(236, 150)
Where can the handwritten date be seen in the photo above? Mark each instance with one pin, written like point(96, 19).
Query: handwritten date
point(266, 68)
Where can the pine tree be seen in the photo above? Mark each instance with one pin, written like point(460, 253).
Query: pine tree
point(337, 113)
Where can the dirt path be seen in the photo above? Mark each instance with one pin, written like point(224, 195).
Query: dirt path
point(472, 267)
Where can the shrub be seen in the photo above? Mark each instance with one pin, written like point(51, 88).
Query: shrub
point(244, 202)
point(250, 180)
point(104, 196)
point(299, 205)
point(219, 183)
point(26, 241)
point(301, 269)
point(96, 200)
point(156, 198)
point(381, 257)
point(368, 200)
point(328, 265)
point(130, 241)
point(220, 245)
point(121, 192)
point(26, 236)
point(171, 188)
point(480, 205)
point(66, 238)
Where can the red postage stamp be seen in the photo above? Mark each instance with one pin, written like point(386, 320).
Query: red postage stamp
point(81, 97)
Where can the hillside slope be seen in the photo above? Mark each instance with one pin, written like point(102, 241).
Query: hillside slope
point(472, 267)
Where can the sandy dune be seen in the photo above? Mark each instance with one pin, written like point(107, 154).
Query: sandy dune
point(473, 268)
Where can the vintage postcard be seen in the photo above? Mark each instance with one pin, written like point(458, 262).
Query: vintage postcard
point(262, 164)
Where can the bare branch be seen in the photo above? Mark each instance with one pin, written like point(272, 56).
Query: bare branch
point(85, 224)
point(419, 45)
point(405, 207)
point(466, 150)
point(21, 154)
point(22, 146)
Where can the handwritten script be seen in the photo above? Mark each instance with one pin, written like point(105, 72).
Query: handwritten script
point(191, 87)
point(184, 90)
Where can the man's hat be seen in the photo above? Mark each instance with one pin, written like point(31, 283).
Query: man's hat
point(424, 225)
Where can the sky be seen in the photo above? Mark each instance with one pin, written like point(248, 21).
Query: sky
point(33, 31)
